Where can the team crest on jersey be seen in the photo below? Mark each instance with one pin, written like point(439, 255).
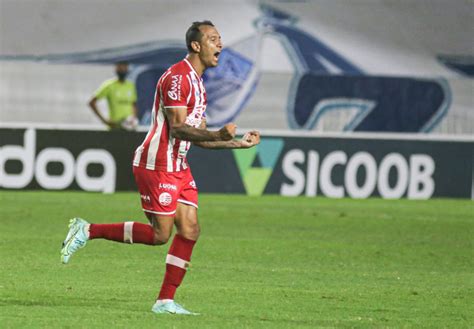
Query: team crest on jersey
point(165, 199)
point(175, 91)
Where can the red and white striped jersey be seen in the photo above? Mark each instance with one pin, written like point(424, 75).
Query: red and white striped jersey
point(179, 86)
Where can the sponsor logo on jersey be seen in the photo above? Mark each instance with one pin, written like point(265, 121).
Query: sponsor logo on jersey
point(165, 199)
point(145, 197)
point(166, 186)
point(175, 91)
point(193, 184)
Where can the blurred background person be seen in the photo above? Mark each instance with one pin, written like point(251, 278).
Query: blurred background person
point(121, 98)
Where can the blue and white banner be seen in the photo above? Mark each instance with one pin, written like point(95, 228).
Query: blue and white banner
point(298, 66)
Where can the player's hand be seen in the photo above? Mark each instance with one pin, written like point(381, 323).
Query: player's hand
point(250, 139)
point(112, 125)
point(227, 132)
point(130, 123)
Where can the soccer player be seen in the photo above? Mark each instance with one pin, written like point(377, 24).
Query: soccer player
point(169, 195)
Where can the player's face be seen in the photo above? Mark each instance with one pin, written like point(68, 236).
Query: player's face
point(211, 46)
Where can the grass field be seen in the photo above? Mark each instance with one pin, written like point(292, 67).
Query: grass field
point(267, 262)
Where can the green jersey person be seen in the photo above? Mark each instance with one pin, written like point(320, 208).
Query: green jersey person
point(121, 97)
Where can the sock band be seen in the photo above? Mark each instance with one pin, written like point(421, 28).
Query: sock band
point(176, 261)
point(128, 232)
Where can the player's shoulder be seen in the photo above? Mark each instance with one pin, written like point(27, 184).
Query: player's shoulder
point(178, 73)
point(181, 68)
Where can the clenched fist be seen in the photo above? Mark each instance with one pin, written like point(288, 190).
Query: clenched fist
point(227, 132)
point(250, 139)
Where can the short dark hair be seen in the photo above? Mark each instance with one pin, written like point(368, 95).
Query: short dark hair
point(194, 34)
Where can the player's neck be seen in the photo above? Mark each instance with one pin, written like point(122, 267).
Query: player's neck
point(196, 63)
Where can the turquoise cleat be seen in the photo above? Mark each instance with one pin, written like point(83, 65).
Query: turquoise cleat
point(76, 238)
point(170, 307)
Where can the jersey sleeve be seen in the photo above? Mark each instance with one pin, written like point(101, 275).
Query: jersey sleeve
point(176, 90)
point(103, 90)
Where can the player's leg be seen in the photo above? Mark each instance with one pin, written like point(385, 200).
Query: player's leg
point(155, 233)
point(178, 259)
point(159, 207)
point(80, 231)
point(159, 213)
point(186, 221)
point(179, 254)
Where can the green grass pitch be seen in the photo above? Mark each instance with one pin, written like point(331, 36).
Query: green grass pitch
point(266, 262)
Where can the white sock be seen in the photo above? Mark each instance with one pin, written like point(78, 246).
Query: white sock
point(163, 301)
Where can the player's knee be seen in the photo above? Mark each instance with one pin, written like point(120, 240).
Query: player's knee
point(191, 231)
point(161, 238)
point(197, 231)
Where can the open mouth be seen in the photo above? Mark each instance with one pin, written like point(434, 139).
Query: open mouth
point(216, 55)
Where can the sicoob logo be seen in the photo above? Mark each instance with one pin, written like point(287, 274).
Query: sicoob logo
point(165, 199)
point(175, 91)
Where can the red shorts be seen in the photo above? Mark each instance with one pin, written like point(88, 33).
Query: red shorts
point(160, 190)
